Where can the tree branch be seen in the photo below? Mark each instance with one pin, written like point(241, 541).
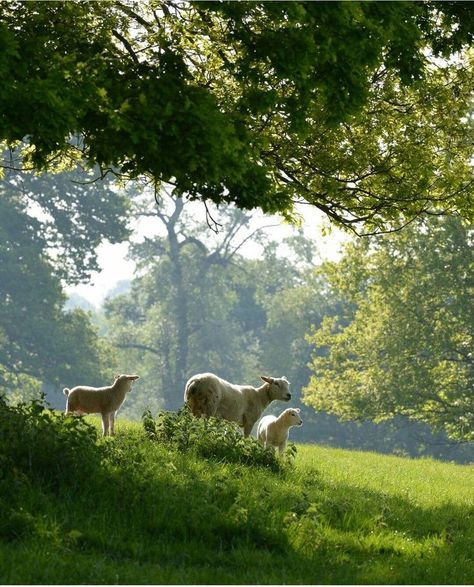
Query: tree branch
point(127, 46)
point(141, 347)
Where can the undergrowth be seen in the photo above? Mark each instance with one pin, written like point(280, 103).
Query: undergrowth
point(212, 438)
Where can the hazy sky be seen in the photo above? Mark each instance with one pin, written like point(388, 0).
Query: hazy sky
point(115, 266)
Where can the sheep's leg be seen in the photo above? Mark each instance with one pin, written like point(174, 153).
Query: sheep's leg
point(112, 423)
point(247, 426)
point(105, 423)
point(281, 448)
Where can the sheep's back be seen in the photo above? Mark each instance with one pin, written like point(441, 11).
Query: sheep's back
point(209, 394)
point(94, 399)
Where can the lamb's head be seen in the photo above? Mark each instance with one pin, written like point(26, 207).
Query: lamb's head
point(125, 381)
point(279, 388)
point(292, 417)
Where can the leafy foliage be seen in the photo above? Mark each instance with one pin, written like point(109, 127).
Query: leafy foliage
point(72, 214)
point(45, 447)
point(347, 105)
point(211, 438)
point(404, 344)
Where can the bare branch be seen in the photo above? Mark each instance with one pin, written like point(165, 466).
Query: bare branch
point(127, 46)
point(215, 225)
point(132, 14)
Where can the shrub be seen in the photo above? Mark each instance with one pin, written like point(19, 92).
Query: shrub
point(39, 444)
point(211, 438)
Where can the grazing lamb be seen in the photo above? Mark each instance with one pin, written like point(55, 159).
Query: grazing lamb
point(103, 400)
point(273, 432)
point(209, 395)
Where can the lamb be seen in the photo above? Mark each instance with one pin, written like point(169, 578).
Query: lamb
point(273, 432)
point(207, 395)
point(103, 400)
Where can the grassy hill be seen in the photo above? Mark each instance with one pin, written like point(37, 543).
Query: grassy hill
point(135, 510)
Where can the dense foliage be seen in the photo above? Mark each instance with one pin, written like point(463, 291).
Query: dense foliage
point(359, 108)
point(210, 438)
point(40, 446)
point(403, 345)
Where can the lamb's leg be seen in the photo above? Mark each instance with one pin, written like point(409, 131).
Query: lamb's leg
point(112, 423)
point(281, 448)
point(105, 423)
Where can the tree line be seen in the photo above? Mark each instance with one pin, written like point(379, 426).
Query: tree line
point(383, 334)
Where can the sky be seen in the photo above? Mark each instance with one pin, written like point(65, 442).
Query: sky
point(115, 266)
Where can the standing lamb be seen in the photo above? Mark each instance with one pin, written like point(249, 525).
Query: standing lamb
point(209, 395)
point(273, 431)
point(103, 400)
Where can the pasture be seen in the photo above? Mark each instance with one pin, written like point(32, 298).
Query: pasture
point(149, 513)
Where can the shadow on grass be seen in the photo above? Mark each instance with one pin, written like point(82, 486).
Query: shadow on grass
point(321, 533)
point(152, 516)
point(381, 538)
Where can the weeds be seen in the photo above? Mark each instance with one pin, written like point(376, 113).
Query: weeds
point(211, 438)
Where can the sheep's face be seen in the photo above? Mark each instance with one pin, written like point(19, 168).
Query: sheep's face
point(125, 381)
point(279, 388)
point(293, 417)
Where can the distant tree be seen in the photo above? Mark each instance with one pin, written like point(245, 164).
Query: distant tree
point(77, 301)
point(41, 242)
point(360, 109)
point(197, 304)
point(184, 312)
point(403, 344)
point(75, 214)
point(39, 342)
point(122, 286)
point(290, 312)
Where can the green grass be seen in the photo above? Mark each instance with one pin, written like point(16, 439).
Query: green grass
point(153, 514)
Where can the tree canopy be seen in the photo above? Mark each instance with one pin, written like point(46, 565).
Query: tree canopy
point(360, 109)
point(403, 344)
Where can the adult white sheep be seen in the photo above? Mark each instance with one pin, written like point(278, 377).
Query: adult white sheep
point(273, 432)
point(103, 400)
point(207, 395)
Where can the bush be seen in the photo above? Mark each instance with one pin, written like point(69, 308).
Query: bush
point(42, 445)
point(211, 438)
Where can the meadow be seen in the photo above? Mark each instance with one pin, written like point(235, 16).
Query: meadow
point(135, 510)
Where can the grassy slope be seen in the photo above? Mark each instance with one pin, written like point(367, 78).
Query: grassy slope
point(162, 517)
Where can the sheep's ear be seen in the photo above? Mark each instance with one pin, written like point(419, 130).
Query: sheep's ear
point(266, 379)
